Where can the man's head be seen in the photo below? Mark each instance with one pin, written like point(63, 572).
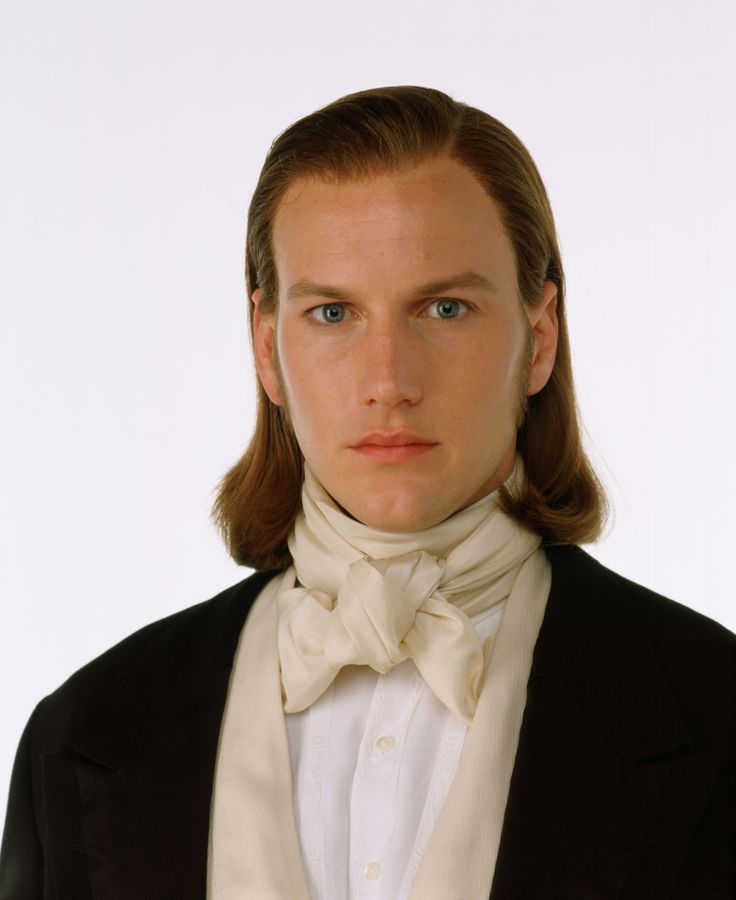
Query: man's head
point(407, 286)
point(398, 319)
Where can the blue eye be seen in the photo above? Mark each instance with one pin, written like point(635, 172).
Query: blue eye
point(329, 313)
point(447, 309)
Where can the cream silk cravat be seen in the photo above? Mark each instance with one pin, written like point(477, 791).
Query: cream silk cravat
point(376, 598)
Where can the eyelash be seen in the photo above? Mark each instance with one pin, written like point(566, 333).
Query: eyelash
point(312, 313)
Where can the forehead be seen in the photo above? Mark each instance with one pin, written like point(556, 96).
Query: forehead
point(415, 224)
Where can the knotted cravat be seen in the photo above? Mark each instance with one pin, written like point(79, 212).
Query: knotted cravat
point(375, 598)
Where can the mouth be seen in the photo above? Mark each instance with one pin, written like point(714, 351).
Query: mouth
point(396, 447)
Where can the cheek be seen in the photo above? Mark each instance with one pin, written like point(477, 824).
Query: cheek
point(489, 377)
point(312, 390)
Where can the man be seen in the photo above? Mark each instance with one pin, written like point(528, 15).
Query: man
point(427, 690)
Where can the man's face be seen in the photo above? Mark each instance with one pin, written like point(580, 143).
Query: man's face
point(400, 347)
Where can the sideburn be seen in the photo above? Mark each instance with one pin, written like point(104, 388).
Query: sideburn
point(525, 371)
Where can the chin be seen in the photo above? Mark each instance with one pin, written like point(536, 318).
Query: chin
point(397, 514)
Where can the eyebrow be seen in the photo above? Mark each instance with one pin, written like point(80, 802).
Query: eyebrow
point(471, 280)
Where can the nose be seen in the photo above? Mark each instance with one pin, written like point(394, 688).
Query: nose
point(390, 366)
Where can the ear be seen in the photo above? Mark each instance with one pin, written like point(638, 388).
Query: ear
point(264, 346)
point(543, 319)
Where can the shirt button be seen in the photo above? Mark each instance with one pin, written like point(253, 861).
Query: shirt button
point(372, 871)
point(385, 743)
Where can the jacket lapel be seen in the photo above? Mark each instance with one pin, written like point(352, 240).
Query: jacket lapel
point(599, 741)
point(142, 762)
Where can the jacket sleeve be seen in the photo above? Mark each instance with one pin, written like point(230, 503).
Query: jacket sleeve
point(21, 856)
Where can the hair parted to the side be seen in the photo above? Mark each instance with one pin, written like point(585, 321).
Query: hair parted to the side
point(374, 132)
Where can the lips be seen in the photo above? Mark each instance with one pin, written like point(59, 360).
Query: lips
point(393, 446)
point(392, 439)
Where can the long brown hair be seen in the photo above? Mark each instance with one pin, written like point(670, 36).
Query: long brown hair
point(379, 131)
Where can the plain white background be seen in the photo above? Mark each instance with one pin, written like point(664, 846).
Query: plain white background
point(132, 137)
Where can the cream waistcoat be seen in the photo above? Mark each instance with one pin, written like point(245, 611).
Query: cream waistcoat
point(255, 848)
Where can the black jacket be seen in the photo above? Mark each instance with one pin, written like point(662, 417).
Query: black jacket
point(623, 785)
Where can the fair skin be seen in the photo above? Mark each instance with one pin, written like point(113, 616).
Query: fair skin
point(399, 345)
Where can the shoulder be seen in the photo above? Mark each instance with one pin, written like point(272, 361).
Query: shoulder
point(640, 644)
point(577, 572)
point(197, 638)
